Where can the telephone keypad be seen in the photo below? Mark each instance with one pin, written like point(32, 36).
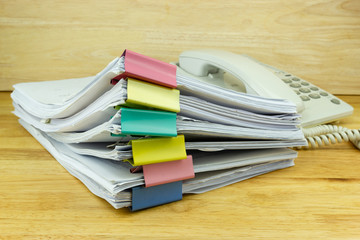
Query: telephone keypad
point(305, 83)
point(286, 80)
point(304, 98)
point(314, 88)
point(324, 94)
point(319, 106)
point(295, 85)
point(314, 95)
point(336, 101)
point(304, 89)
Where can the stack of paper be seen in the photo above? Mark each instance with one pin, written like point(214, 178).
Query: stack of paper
point(98, 127)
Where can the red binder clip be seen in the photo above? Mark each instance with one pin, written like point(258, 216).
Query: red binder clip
point(166, 172)
point(147, 69)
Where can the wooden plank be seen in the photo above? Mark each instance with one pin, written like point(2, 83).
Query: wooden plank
point(318, 198)
point(46, 40)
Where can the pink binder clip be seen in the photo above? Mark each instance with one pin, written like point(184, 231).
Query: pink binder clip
point(166, 172)
point(147, 69)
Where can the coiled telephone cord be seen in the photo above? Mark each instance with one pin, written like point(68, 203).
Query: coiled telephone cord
point(330, 134)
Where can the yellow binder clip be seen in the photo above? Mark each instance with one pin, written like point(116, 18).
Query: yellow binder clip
point(156, 150)
point(152, 95)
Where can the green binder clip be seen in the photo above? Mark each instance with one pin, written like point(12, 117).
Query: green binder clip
point(118, 135)
point(148, 122)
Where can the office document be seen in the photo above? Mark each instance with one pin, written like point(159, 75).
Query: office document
point(142, 133)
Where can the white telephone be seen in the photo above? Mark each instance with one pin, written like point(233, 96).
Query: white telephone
point(247, 75)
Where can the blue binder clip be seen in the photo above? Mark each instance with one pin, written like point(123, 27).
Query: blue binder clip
point(154, 196)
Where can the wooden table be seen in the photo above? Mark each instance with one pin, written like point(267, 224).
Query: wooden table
point(316, 40)
point(318, 198)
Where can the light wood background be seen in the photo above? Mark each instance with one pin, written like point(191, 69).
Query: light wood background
point(318, 40)
point(318, 198)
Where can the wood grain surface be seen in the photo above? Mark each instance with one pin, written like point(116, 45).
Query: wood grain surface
point(318, 198)
point(318, 40)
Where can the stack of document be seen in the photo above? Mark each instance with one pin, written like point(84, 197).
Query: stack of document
point(93, 126)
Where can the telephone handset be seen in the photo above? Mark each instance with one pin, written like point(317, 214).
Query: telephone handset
point(256, 79)
point(242, 73)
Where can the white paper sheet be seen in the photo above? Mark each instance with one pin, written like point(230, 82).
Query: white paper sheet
point(112, 180)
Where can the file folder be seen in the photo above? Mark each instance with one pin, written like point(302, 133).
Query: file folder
point(166, 172)
point(147, 69)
